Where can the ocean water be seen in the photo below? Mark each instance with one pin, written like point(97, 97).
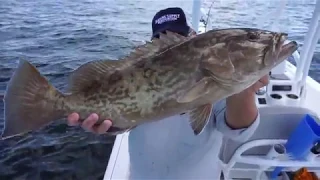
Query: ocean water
point(60, 35)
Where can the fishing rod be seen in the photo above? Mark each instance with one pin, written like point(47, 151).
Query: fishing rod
point(208, 15)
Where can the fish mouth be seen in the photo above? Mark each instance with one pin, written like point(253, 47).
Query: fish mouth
point(280, 41)
point(284, 47)
point(281, 50)
point(287, 49)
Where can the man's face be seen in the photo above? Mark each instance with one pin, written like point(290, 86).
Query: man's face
point(192, 33)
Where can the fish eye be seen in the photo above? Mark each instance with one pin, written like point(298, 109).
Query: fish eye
point(253, 36)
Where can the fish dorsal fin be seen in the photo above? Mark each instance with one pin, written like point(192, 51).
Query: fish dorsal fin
point(90, 72)
point(156, 46)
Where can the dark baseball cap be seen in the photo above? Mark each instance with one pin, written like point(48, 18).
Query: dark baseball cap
point(171, 19)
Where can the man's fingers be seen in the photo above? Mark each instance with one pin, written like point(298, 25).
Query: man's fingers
point(264, 80)
point(90, 121)
point(73, 119)
point(259, 85)
point(103, 127)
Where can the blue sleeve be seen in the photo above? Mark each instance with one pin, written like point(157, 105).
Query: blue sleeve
point(219, 119)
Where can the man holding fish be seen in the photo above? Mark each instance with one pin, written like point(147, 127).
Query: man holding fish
point(159, 150)
point(178, 95)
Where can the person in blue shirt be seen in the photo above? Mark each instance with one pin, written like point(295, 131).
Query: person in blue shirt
point(168, 149)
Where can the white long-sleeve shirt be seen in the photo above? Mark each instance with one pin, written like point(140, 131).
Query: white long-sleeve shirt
point(168, 149)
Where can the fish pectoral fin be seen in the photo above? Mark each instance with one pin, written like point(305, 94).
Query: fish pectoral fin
point(220, 63)
point(200, 89)
point(199, 118)
point(94, 71)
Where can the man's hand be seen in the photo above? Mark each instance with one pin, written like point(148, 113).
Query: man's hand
point(88, 124)
point(259, 84)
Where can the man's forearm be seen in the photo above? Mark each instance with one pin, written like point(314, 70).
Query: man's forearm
point(241, 110)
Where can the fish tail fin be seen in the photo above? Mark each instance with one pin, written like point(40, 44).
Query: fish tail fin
point(30, 101)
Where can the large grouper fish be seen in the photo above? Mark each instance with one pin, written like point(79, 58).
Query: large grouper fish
point(167, 76)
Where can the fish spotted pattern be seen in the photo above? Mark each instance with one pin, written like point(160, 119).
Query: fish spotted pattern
point(168, 76)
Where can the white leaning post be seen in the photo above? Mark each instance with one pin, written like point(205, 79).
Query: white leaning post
point(196, 12)
point(309, 46)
